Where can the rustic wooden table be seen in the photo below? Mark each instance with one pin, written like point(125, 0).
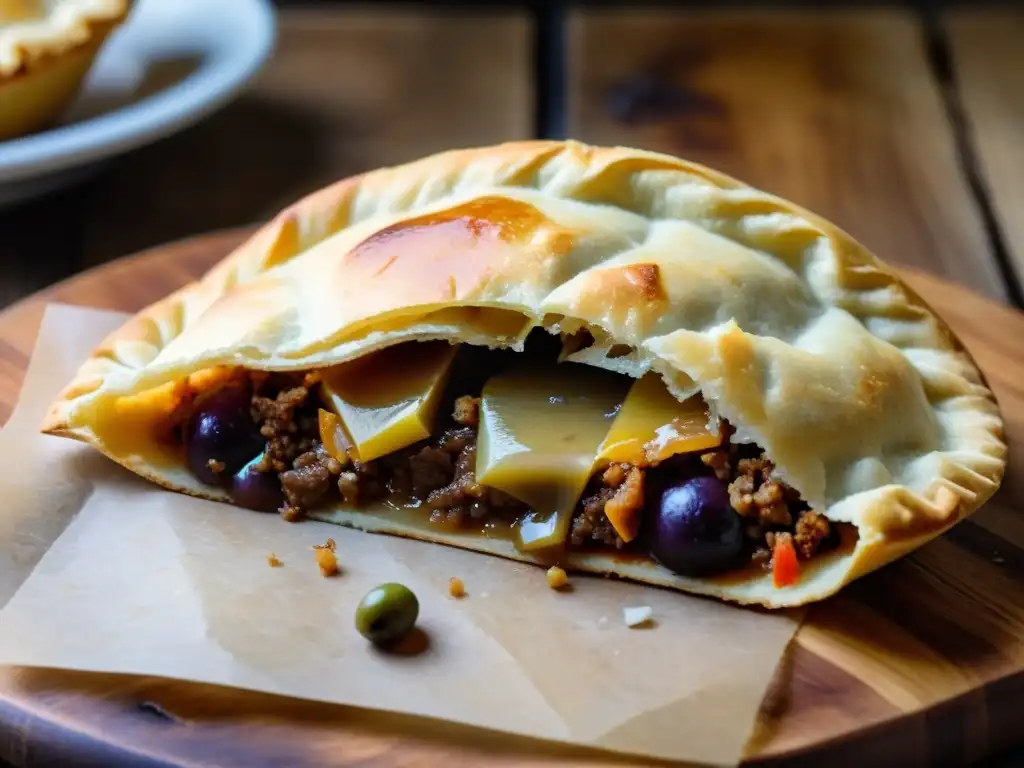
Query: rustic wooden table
point(907, 131)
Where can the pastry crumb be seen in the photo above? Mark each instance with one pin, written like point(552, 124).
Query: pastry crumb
point(215, 466)
point(557, 577)
point(291, 514)
point(273, 561)
point(328, 562)
point(326, 559)
point(637, 616)
point(456, 588)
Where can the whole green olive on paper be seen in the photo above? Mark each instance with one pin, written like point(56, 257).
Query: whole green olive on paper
point(387, 613)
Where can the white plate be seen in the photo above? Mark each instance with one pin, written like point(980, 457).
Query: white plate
point(172, 63)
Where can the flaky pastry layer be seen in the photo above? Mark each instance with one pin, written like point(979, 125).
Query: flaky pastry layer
point(63, 26)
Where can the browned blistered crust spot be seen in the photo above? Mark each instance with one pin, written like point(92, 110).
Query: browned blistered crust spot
point(870, 389)
point(646, 278)
point(446, 254)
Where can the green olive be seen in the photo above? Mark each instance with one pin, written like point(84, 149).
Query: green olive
point(386, 613)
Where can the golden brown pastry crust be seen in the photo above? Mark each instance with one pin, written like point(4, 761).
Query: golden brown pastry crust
point(44, 60)
point(799, 336)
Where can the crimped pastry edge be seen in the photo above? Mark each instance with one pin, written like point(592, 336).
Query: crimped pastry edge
point(69, 25)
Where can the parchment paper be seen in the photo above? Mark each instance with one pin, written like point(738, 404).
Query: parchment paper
point(102, 571)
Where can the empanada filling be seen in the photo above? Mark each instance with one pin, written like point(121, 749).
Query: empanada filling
point(552, 455)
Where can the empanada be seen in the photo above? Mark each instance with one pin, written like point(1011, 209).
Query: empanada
point(611, 359)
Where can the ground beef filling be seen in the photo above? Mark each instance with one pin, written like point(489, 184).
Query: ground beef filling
point(439, 475)
point(770, 508)
point(288, 422)
point(620, 485)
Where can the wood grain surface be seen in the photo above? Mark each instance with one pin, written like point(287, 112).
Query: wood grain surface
point(988, 60)
point(838, 111)
point(921, 662)
point(346, 90)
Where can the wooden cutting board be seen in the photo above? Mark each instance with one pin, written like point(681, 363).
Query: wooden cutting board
point(921, 663)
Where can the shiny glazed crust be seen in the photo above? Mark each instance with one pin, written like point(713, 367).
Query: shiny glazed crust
point(794, 332)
